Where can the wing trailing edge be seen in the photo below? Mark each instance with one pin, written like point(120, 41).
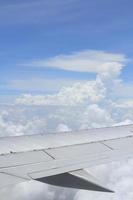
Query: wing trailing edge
point(79, 179)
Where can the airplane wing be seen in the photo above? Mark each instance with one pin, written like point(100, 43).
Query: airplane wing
point(61, 159)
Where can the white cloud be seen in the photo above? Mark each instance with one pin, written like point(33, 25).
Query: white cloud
point(29, 191)
point(107, 64)
point(95, 116)
point(78, 93)
point(62, 128)
point(9, 126)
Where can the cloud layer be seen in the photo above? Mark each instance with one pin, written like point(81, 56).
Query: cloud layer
point(106, 66)
point(78, 93)
point(83, 105)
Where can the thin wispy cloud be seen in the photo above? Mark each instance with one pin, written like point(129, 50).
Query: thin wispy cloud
point(46, 85)
point(85, 61)
point(35, 12)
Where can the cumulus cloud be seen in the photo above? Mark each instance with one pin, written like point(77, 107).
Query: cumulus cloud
point(78, 93)
point(14, 121)
point(28, 190)
point(95, 116)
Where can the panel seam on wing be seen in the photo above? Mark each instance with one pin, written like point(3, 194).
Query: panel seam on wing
point(107, 146)
point(45, 151)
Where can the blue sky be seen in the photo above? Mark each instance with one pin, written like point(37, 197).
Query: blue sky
point(35, 30)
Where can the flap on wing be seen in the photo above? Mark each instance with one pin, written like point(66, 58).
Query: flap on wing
point(79, 179)
point(7, 180)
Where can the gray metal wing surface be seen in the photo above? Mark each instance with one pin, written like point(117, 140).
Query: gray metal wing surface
point(60, 159)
